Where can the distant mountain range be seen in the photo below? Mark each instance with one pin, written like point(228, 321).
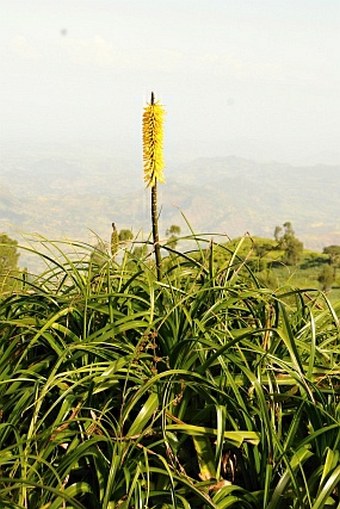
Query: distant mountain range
point(70, 197)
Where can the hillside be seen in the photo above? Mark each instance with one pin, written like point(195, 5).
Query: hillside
point(62, 194)
point(265, 258)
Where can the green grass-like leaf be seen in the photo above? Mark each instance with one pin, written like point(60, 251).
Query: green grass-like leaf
point(203, 390)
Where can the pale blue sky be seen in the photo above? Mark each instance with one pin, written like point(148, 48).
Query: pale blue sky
point(254, 78)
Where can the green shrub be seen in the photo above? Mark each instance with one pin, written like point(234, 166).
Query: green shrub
point(204, 390)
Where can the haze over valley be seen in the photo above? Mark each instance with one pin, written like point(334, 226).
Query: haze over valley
point(76, 193)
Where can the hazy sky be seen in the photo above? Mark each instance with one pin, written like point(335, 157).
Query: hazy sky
point(254, 78)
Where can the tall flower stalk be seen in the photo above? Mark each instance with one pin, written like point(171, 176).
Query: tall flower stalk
point(114, 241)
point(153, 165)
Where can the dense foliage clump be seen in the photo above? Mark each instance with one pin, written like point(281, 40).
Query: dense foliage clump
point(206, 389)
point(9, 256)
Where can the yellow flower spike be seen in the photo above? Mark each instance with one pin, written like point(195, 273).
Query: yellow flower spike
point(153, 117)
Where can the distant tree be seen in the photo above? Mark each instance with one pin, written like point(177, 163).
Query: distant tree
point(125, 235)
point(333, 253)
point(293, 251)
point(173, 230)
point(288, 228)
point(326, 278)
point(289, 243)
point(172, 233)
point(287, 235)
point(9, 257)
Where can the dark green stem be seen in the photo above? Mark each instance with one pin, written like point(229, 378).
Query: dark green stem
point(155, 234)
